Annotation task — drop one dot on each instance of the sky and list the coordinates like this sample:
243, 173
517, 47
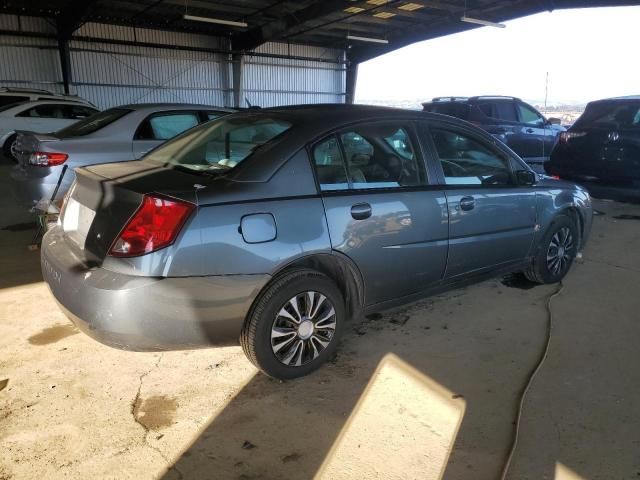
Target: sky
588, 53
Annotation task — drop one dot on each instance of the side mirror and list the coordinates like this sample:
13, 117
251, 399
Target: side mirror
554, 121
526, 177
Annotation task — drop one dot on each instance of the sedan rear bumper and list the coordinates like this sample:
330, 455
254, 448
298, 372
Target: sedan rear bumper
144, 313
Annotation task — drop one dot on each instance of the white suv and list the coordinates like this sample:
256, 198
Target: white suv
9, 95
42, 116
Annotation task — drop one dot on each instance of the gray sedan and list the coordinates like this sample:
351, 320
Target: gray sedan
272, 228
115, 135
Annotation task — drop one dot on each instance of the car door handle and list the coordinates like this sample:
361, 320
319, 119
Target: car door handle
467, 203
529, 130
361, 211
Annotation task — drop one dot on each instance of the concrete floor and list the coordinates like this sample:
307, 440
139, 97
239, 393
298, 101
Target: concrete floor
426, 391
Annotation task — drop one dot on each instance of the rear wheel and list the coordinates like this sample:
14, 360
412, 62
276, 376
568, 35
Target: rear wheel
295, 325
10, 149
557, 251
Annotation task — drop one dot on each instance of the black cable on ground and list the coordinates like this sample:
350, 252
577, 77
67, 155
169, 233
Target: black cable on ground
530, 378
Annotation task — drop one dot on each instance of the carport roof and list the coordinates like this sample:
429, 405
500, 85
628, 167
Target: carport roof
323, 23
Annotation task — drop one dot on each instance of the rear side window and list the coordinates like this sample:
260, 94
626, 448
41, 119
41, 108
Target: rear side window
163, 126
453, 109
12, 99
93, 123
42, 111
368, 156
468, 161
500, 110
76, 112
330, 166
612, 115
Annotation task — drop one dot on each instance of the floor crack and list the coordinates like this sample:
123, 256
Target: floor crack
135, 408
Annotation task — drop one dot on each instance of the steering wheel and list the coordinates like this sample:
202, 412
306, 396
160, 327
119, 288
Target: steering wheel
454, 168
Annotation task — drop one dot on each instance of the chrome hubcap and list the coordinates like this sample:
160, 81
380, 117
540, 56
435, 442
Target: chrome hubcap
13, 148
560, 251
304, 327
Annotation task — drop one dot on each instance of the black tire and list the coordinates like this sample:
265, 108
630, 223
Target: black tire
6, 148
543, 270
256, 336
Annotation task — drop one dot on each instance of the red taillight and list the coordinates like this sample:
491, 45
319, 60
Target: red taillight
564, 137
47, 159
155, 225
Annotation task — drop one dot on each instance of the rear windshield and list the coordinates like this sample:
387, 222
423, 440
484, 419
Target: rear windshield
9, 106
610, 115
453, 109
219, 145
93, 123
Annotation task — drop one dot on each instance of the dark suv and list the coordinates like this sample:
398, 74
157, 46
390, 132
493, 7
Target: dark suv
516, 123
603, 144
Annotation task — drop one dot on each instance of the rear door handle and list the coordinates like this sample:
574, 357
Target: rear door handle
467, 203
529, 130
361, 211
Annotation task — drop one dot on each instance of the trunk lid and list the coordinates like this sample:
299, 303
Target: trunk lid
30, 142
106, 196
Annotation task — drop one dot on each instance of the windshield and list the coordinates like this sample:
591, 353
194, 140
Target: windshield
9, 106
93, 123
610, 115
219, 145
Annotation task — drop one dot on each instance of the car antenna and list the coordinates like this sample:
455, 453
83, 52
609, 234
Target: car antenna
197, 187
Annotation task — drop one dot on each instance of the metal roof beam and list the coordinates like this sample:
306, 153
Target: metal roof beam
281, 27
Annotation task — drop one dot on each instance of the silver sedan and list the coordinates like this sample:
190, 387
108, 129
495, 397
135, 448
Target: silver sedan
119, 134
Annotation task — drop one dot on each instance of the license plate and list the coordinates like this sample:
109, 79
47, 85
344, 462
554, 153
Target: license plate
77, 221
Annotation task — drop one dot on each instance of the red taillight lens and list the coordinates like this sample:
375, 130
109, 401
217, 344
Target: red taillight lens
155, 225
47, 159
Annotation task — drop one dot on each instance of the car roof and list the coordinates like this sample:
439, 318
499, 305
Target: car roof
472, 99
337, 113
618, 99
179, 106
53, 102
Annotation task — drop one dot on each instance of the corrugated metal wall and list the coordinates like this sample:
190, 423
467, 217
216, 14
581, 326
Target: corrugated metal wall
110, 74
29, 62
118, 74
273, 81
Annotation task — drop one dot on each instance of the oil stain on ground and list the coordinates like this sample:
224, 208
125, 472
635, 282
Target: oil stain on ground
157, 412
518, 280
53, 334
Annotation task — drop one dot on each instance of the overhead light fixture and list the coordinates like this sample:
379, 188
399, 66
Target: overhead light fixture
410, 7
367, 39
384, 15
218, 21
354, 10
478, 21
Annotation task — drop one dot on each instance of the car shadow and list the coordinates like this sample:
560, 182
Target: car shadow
469, 356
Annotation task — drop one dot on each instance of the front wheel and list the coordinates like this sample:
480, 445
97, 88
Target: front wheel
295, 325
558, 249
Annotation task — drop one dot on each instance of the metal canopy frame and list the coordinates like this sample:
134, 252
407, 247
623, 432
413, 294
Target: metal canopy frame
324, 23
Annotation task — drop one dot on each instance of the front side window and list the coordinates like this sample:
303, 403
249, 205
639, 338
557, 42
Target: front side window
529, 115
221, 144
375, 156
468, 161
